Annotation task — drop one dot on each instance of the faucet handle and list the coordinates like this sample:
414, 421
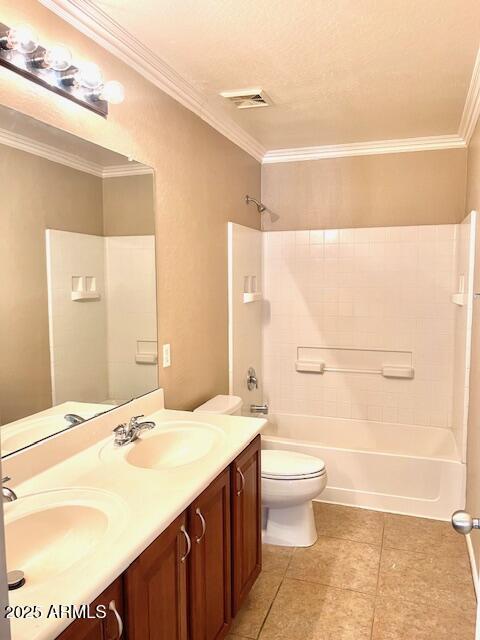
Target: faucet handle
134, 419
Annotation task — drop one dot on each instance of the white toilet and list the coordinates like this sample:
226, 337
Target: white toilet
231, 405
290, 481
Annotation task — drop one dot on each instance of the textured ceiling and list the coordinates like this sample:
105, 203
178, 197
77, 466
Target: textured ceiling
337, 71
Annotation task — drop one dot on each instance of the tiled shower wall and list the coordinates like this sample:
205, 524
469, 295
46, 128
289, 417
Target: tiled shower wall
464, 270
131, 315
377, 288
93, 344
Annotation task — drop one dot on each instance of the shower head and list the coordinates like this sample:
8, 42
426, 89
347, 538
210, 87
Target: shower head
260, 207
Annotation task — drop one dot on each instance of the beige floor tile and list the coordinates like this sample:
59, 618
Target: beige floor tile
426, 580
402, 620
424, 536
307, 611
349, 523
276, 559
249, 619
337, 563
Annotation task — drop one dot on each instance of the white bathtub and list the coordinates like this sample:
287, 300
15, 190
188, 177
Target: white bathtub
389, 467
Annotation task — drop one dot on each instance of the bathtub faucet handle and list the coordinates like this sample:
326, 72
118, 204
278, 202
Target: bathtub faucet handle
252, 382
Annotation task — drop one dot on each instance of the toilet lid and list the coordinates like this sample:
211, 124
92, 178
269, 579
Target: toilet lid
290, 465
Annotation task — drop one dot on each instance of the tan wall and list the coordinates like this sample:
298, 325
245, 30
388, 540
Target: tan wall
36, 195
128, 206
425, 187
473, 444
201, 180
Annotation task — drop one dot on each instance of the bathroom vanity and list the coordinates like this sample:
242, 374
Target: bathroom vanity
181, 547
193, 578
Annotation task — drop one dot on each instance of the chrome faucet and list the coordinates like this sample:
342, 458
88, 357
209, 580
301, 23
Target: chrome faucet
124, 435
259, 408
8, 494
74, 419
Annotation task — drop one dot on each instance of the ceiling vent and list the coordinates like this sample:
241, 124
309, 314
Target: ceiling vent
247, 98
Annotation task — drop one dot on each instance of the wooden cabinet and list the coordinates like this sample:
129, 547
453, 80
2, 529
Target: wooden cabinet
189, 581
210, 561
156, 587
246, 522
108, 628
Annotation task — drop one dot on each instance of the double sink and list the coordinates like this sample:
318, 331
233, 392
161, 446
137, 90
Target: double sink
50, 532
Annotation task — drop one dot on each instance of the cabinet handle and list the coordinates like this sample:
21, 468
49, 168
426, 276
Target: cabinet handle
204, 524
189, 543
113, 608
242, 478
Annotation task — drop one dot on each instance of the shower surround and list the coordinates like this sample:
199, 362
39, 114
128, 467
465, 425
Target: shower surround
368, 289
350, 298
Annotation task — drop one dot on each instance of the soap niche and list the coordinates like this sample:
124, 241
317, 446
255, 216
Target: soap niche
84, 288
250, 293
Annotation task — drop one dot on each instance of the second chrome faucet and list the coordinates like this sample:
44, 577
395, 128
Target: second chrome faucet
125, 434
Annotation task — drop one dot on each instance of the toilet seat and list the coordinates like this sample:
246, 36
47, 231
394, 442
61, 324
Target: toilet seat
290, 465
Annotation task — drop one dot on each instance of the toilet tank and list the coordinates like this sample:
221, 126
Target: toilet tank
231, 405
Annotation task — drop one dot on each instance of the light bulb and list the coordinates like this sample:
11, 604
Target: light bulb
89, 76
22, 39
113, 92
58, 58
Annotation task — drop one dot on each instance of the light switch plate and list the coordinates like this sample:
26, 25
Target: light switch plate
166, 356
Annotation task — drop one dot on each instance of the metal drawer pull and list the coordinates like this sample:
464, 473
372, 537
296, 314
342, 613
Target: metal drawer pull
204, 524
242, 478
113, 608
189, 543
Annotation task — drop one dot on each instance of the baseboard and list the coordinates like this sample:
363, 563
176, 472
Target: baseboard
473, 564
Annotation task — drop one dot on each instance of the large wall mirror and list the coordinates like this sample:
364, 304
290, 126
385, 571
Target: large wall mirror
78, 326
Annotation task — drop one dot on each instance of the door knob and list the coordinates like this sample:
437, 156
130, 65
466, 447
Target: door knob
463, 522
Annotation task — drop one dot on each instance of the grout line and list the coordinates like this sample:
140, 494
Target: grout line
378, 576
276, 593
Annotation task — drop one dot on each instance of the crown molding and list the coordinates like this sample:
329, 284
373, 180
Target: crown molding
405, 145
471, 111
124, 170
97, 25
29, 145
23, 143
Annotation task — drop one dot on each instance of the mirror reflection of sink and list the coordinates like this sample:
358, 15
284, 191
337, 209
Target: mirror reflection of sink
24, 433
48, 533
175, 444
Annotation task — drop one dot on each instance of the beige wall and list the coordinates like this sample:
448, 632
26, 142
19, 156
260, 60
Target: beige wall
128, 206
201, 180
425, 187
36, 195
473, 442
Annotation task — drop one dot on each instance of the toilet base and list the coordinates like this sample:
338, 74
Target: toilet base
290, 526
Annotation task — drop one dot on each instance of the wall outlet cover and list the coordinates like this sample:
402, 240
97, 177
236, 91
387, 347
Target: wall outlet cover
166, 356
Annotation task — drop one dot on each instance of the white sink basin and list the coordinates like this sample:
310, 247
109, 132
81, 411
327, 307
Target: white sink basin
175, 444
48, 533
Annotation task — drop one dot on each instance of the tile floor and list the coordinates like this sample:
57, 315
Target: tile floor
370, 576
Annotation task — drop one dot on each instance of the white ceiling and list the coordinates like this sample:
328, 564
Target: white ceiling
337, 71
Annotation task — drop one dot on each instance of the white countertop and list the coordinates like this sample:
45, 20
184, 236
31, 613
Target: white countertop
149, 501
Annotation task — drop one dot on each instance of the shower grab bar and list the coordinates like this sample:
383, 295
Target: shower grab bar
303, 366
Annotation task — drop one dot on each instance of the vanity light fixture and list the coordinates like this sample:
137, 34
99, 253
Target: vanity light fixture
54, 69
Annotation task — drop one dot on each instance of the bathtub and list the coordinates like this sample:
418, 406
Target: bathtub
389, 467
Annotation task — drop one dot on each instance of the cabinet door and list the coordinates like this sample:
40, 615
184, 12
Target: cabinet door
156, 587
108, 628
247, 522
210, 565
